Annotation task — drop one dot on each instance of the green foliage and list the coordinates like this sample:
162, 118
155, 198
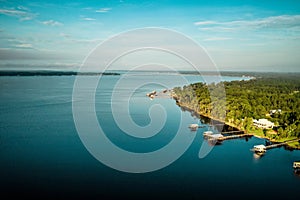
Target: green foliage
248, 100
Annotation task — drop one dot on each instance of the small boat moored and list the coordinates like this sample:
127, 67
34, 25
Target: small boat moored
207, 133
259, 148
193, 127
215, 138
296, 165
151, 94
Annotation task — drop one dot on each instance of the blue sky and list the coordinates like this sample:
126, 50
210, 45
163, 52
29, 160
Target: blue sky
238, 35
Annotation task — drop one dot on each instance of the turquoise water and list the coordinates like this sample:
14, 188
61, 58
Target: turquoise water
42, 155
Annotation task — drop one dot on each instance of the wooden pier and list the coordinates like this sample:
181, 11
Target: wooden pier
210, 125
234, 137
275, 145
280, 144
232, 132
162, 94
220, 137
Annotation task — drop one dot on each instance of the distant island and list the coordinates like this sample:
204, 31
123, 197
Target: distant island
267, 106
52, 73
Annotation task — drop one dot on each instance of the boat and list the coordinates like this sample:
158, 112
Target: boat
296, 165
214, 139
207, 133
151, 94
193, 127
257, 155
259, 148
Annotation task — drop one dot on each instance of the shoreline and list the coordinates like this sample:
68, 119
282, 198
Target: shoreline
229, 124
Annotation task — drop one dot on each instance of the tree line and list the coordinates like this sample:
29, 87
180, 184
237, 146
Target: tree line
239, 102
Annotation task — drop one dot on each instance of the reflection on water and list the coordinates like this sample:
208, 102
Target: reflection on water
213, 142
257, 155
297, 172
43, 140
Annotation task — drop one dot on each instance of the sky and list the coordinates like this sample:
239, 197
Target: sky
238, 35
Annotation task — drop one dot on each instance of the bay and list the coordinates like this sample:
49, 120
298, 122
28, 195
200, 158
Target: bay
42, 154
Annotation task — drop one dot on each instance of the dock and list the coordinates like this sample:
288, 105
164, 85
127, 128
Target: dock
221, 137
234, 137
193, 127
232, 132
210, 125
162, 94
275, 145
280, 144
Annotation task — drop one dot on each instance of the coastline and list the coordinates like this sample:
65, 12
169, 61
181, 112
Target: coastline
186, 107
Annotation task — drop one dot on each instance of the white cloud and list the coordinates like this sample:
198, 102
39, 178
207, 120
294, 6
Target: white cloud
256, 44
273, 22
65, 35
26, 18
86, 40
23, 8
52, 23
217, 29
24, 45
88, 19
205, 23
19, 43
21, 13
12, 12
77, 40
103, 10
217, 39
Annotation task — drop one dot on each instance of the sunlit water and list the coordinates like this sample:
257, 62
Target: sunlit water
41, 153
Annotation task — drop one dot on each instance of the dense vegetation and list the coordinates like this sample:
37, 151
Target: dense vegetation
248, 100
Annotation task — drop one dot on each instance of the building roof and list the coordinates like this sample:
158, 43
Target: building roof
260, 146
263, 121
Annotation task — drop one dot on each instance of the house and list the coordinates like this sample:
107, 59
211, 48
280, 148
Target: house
272, 112
263, 123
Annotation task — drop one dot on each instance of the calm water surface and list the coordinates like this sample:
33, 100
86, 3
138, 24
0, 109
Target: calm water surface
42, 154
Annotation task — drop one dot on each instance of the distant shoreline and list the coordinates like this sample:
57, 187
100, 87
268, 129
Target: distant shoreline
57, 72
54, 73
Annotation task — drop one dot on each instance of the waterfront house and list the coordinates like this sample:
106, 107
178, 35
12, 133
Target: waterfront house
272, 112
263, 123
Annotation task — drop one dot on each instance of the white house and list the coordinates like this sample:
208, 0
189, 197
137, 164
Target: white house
272, 112
263, 123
